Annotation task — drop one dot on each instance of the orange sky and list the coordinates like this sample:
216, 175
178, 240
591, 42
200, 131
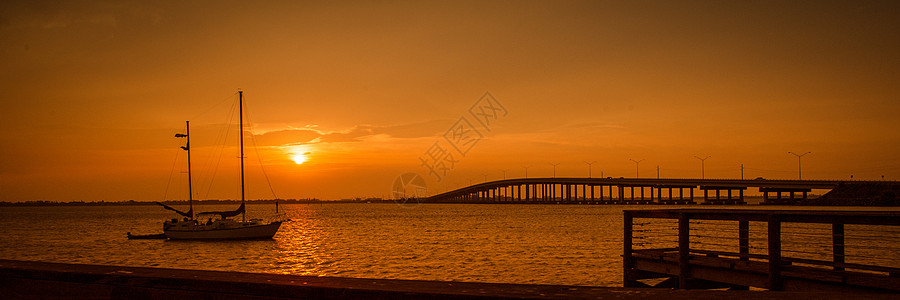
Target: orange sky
93, 92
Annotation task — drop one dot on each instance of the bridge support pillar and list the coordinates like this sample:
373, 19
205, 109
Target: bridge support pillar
601, 193
592, 193
778, 198
621, 194
659, 194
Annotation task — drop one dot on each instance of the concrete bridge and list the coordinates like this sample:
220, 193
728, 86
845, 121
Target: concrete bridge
631, 191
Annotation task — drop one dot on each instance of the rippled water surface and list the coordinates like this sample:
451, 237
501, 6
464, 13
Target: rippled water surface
548, 244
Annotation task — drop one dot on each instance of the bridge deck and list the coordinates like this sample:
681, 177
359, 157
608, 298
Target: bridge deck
624, 190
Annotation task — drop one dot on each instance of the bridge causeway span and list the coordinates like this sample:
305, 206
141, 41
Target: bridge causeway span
631, 191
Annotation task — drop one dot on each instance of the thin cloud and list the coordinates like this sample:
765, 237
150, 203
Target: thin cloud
358, 133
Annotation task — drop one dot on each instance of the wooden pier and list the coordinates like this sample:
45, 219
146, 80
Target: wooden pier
841, 251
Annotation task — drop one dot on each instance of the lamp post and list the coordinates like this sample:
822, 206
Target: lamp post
637, 166
799, 169
554, 169
526, 171
702, 166
590, 163
504, 173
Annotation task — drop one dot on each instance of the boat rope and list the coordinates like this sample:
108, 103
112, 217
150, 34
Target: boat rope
221, 138
224, 100
169, 182
256, 150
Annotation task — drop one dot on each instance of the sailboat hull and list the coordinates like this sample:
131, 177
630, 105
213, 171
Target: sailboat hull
241, 232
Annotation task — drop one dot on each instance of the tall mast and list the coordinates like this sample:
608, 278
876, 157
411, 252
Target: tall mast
190, 191
187, 147
241, 118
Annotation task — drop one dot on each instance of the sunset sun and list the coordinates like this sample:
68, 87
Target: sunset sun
299, 158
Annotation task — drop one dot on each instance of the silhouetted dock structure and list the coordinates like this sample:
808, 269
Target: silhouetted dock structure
44, 280
844, 251
631, 191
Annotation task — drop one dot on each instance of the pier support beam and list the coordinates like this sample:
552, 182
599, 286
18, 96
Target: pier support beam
744, 239
837, 242
684, 251
774, 226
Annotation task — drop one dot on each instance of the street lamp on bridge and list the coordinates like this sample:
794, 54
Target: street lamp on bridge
799, 174
589, 163
637, 167
702, 166
554, 169
526, 171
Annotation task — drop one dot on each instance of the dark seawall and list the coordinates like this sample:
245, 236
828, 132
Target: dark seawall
42, 280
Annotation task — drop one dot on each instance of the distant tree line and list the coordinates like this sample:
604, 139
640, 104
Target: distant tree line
176, 202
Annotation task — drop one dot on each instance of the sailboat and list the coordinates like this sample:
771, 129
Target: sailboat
223, 227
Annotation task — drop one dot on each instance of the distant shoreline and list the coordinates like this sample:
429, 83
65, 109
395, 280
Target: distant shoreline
888, 200
183, 202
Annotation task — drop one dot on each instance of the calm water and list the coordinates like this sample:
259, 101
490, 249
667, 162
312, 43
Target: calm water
547, 244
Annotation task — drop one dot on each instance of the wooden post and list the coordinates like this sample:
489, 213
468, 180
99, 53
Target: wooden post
744, 239
837, 237
627, 261
684, 253
774, 253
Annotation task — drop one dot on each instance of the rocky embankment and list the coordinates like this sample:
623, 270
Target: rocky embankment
860, 194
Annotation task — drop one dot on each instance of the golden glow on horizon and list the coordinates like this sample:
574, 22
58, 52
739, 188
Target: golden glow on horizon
367, 99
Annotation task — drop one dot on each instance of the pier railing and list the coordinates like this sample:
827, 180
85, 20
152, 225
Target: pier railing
772, 249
